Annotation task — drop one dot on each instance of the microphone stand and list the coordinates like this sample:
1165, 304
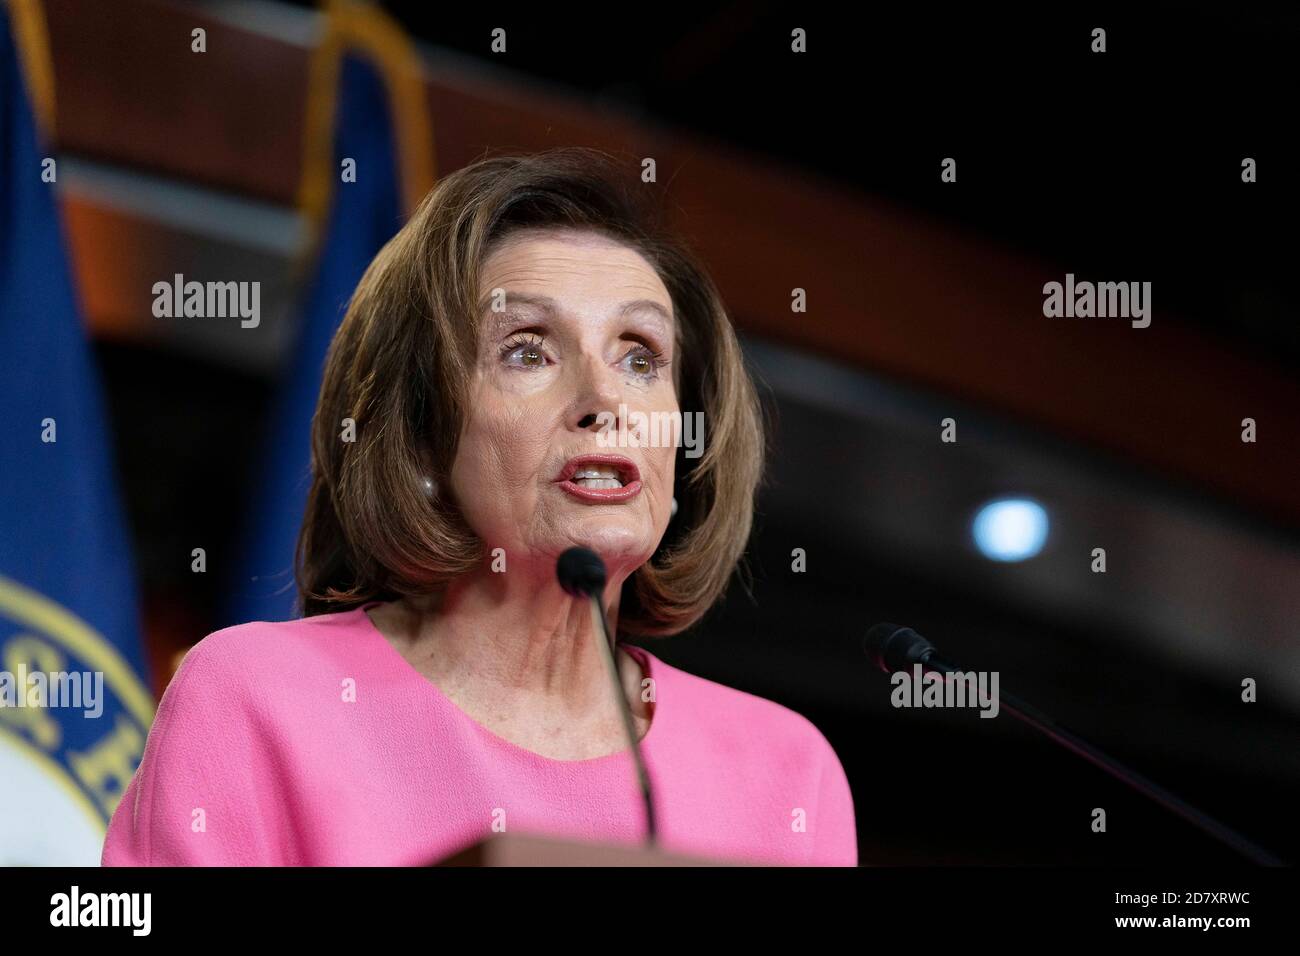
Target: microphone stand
643, 779
1038, 720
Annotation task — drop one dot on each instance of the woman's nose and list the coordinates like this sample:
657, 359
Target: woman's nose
596, 392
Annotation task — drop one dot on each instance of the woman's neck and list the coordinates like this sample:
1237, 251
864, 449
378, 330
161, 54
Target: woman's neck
514, 647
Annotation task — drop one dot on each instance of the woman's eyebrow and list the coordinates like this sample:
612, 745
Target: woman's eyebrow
500, 323
544, 302
550, 306
638, 305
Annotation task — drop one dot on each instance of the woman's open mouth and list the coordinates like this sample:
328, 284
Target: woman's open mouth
600, 478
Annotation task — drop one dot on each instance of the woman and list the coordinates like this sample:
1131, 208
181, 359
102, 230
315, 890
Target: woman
442, 686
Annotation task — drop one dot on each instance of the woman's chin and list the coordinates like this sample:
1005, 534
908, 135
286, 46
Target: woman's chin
620, 544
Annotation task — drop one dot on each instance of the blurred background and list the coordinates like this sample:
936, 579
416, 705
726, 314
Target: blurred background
818, 171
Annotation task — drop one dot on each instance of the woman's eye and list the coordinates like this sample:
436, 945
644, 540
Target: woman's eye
641, 361
524, 355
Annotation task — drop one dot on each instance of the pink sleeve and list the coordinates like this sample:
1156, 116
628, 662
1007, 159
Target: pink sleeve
204, 792
836, 838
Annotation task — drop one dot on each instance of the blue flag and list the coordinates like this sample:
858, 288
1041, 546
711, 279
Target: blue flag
364, 215
74, 701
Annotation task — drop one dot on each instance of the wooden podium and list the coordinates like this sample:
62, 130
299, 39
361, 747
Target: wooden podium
510, 849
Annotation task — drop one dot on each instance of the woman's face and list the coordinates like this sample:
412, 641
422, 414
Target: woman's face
585, 326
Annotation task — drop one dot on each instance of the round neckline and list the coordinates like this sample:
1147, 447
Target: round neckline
642, 656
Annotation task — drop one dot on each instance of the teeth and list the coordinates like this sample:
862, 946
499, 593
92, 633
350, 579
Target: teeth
597, 476
598, 482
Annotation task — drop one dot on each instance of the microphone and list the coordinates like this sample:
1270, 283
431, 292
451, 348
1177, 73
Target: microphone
893, 648
581, 573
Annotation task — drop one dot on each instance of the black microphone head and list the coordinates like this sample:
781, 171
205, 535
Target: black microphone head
581, 572
892, 647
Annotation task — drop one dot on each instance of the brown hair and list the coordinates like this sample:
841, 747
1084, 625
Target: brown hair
399, 367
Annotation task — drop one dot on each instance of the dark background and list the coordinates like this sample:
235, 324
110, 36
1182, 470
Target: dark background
1125, 165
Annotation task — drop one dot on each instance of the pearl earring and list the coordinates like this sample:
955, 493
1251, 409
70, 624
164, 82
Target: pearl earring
430, 486
673, 512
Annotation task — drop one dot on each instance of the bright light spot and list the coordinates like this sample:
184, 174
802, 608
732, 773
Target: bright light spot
1010, 529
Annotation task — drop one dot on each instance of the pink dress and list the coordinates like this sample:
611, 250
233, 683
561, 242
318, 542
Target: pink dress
314, 743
